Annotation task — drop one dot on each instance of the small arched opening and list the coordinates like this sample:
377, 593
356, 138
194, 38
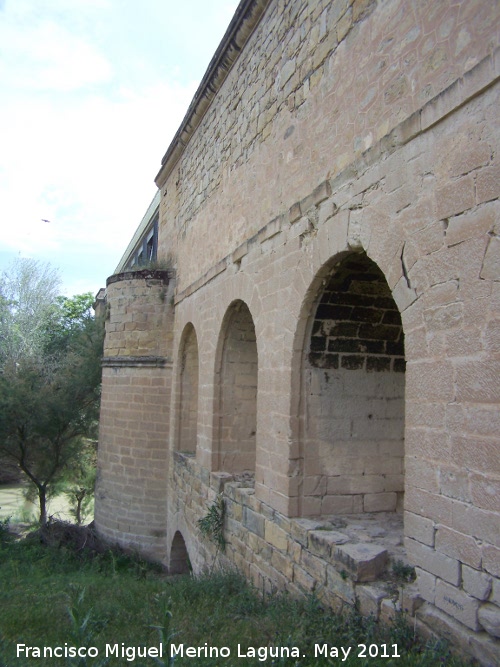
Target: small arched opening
179, 557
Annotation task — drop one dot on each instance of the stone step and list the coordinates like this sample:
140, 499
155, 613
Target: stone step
361, 562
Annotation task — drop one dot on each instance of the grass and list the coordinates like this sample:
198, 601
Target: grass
51, 596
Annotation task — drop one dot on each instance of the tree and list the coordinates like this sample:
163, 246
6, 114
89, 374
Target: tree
69, 316
49, 381
79, 483
28, 295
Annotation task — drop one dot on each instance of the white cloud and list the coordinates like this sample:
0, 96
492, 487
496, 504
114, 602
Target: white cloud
40, 54
85, 121
86, 167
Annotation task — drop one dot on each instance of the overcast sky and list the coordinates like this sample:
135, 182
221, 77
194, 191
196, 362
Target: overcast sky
91, 94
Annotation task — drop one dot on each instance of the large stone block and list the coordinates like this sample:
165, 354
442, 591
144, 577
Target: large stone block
458, 545
476, 583
489, 618
431, 561
322, 542
254, 522
369, 599
275, 536
362, 562
458, 604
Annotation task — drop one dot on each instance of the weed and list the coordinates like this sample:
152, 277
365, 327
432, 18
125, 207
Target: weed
212, 524
164, 631
83, 628
403, 572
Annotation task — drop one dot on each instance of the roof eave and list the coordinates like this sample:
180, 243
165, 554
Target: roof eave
243, 23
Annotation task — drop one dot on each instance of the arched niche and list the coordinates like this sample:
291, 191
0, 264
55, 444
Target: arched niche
236, 392
353, 383
188, 380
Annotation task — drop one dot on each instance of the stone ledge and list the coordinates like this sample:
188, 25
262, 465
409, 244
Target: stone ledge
135, 362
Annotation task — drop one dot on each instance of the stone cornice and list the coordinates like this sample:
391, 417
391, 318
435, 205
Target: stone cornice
134, 362
245, 19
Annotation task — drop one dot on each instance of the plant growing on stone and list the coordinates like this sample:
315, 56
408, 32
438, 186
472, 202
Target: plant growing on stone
212, 524
403, 572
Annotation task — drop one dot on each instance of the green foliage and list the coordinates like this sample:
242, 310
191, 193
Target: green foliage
84, 628
27, 300
5, 534
158, 264
164, 629
403, 572
221, 609
70, 317
79, 481
50, 375
212, 524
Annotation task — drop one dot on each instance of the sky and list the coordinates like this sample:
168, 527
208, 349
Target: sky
91, 94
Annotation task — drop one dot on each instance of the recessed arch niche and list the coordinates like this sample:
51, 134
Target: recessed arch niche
236, 392
188, 380
353, 395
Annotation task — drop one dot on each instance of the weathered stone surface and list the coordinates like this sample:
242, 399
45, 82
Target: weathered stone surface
275, 536
458, 604
478, 584
254, 522
491, 264
340, 585
321, 542
489, 618
369, 599
363, 562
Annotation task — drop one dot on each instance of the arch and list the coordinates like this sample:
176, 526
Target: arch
188, 382
235, 410
352, 393
179, 558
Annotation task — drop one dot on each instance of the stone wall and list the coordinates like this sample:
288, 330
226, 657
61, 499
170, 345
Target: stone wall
237, 393
317, 85
354, 386
343, 561
435, 248
333, 222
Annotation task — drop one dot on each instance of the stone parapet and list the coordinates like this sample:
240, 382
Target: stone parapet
138, 315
